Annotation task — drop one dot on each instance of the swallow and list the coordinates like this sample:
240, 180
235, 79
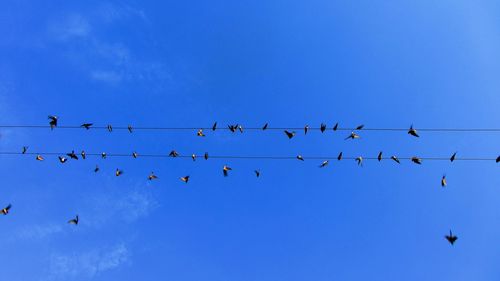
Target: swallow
72, 155
336, 127
416, 160
25, 149
205, 156
110, 128
451, 238
443, 181
86, 125
5, 210
214, 126
193, 156
200, 133
257, 173
498, 159
359, 159
353, 135
306, 128
289, 134
84, 155
74, 221
173, 153
185, 179
152, 176
39, 157
103, 155
232, 128
322, 127
324, 164
360, 127
240, 128
379, 157
129, 128
340, 156
118, 172
96, 169
265, 127
53, 121
453, 157
395, 159
300, 157
62, 159
225, 170
413, 132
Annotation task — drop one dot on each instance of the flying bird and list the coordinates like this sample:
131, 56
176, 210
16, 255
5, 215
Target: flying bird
416, 160
306, 128
225, 170
214, 126
5, 210
265, 127
413, 132
443, 181
129, 128
379, 157
53, 121
185, 179
453, 157
290, 134
173, 153
324, 164
118, 172
72, 155
200, 133
359, 159
62, 159
39, 157
84, 155
152, 176
206, 156
103, 155
340, 156
110, 128
257, 173
25, 148
74, 221
353, 135
322, 127
300, 157
336, 127
96, 169
395, 159
451, 238
86, 125
360, 127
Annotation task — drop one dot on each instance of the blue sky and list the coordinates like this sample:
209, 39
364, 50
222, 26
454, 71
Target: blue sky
289, 63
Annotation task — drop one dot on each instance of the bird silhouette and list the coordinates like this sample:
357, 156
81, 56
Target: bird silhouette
110, 128
290, 134
134, 154
232, 128
498, 159
6, 210
205, 156
86, 125
353, 135
416, 160
395, 159
379, 157
185, 179
53, 121
96, 169
340, 156
324, 164
74, 221
257, 173
25, 149
265, 127
72, 155
453, 157
193, 156
413, 132
39, 157
129, 128
214, 126
152, 176
173, 153
451, 238
225, 170
300, 157
359, 159
322, 127
360, 127
336, 127
443, 181
83, 154
62, 159
103, 155
118, 172
306, 128
240, 128
200, 133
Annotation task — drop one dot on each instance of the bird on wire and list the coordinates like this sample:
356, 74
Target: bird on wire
451, 238
25, 149
53, 121
225, 170
232, 128
395, 159
265, 127
360, 127
340, 156
322, 127
193, 156
205, 156
6, 210
240, 128
498, 159
353, 136
359, 159
453, 157
299, 157
379, 157
129, 128
173, 153
134, 154
335, 128
86, 125
74, 221
290, 134
257, 173
83, 154
110, 128
72, 155
413, 132
103, 155
416, 160
306, 128
214, 126
62, 159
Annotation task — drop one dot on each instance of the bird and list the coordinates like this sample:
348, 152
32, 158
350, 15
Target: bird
416, 160
443, 181
173, 153
84, 155
103, 155
25, 148
134, 154
200, 133
265, 127
340, 156
353, 135
96, 169
205, 156
240, 128
185, 179
395, 159
451, 238
257, 173
74, 221
379, 157
324, 164
359, 159
336, 127
39, 157
225, 170
53, 121
152, 176
498, 159
214, 126
413, 132
5, 210
322, 127
86, 125
62, 159
232, 128
129, 128
360, 127
306, 128
118, 172
290, 134
300, 157
72, 155
193, 156
453, 157
110, 128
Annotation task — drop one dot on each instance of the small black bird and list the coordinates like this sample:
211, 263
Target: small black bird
25, 148
300, 157
134, 154
324, 164
232, 128
193, 156
185, 179
72, 155
152, 176
451, 238
453, 157
129, 128
110, 128
360, 127
173, 153
103, 155
53, 121
265, 127
353, 135
214, 126
86, 125
225, 170
336, 127
5, 210
443, 181
96, 169
306, 128
74, 221
257, 173
240, 128
340, 156
395, 159
84, 155
322, 127
290, 134
498, 159
359, 159
62, 159
416, 160
413, 132
379, 157
206, 156
118, 172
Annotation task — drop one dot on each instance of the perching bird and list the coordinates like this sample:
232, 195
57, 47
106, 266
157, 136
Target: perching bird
225, 170
498, 159
290, 134
72, 155
232, 128
443, 181
453, 157
451, 238
306, 128
413, 132
39, 157
395, 159
336, 127
185, 179
206, 156
74, 221
240, 128
134, 154
53, 121
129, 128
110, 128
257, 173
265, 127
152, 176
25, 148
214, 126
96, 169
359, 159
322, 127
62, 159
173, 153
193, 156
118, 172
300, 157
353, 135
324, 164
200, 133
103, 155
379, 157
340, 156
86, 125
5, 210
360, 127
416, 160
84, 155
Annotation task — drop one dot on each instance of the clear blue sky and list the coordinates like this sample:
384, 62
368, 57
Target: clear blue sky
289, 63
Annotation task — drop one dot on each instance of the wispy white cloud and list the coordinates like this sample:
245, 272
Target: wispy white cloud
70, 27
39, 231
